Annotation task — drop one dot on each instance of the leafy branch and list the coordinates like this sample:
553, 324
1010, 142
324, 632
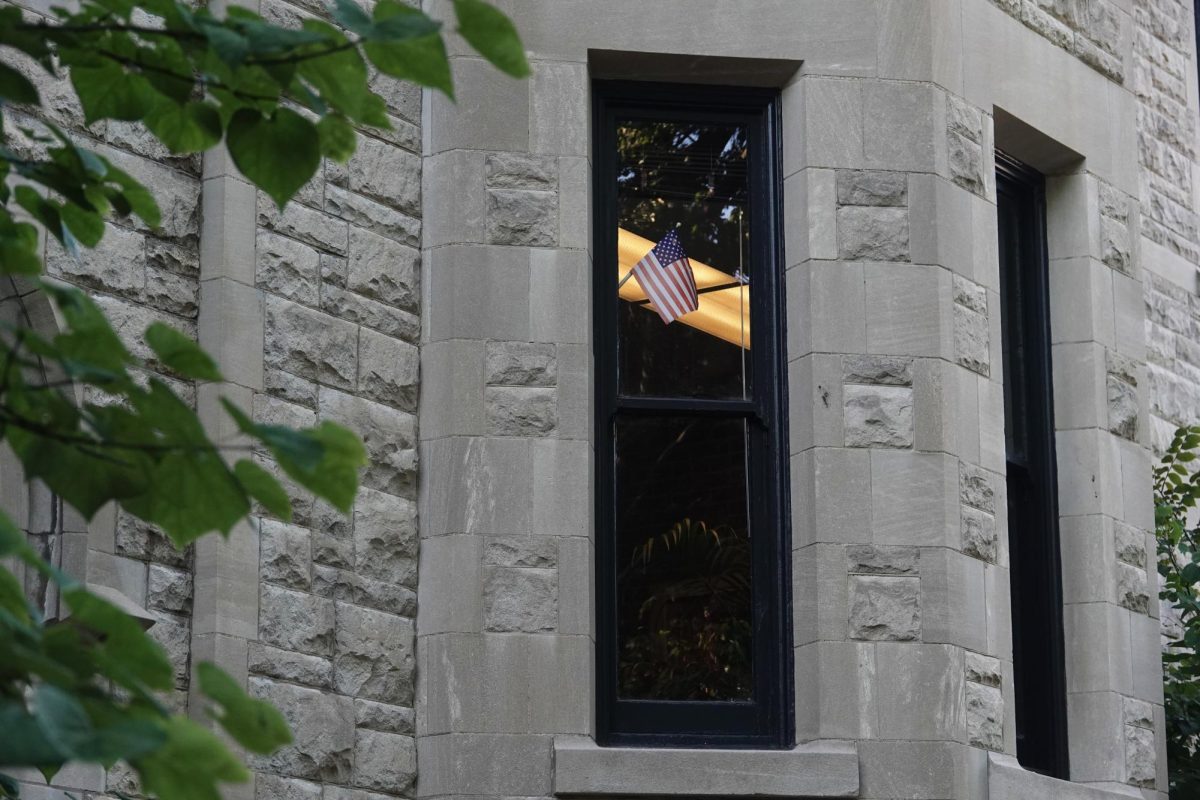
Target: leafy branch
88, 687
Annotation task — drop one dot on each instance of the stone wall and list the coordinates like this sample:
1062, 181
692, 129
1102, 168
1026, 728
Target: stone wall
339, 271
1092, 30
313, 313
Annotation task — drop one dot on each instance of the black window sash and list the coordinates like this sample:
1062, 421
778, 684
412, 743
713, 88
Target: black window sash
767, 719
1034, 553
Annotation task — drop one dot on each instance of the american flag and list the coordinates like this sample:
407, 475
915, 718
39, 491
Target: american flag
665, 275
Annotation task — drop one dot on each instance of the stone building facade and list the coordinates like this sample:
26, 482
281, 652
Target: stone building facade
436, 294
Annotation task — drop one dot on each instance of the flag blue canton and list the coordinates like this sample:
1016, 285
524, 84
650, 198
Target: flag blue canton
669, 249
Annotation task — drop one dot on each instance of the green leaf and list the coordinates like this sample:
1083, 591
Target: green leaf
139, 197
67, 725
109, 92
191, 493
189, 765
338, 140
19, 249
493, 35
254, 724
262, 486
422, 60
350, 16
88, 338
87, 226
23, 743
9, 788
180, 354
12, 538
190, 128
130, 656
16, 88
279, 153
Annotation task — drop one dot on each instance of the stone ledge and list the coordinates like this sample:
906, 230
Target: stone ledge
1008, 780
817, 769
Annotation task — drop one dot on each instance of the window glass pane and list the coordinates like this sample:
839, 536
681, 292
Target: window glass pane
684, 622
690, 179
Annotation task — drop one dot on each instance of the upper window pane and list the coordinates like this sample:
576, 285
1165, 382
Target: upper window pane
690, 178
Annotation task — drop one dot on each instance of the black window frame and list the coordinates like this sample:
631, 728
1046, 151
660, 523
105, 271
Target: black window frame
766, 721
1035, 558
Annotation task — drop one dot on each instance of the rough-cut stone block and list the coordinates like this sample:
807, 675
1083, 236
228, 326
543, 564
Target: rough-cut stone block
140, 540
979, 534
983, 669
868, 188
975, 488
965, 161
374, 655
385, 534
1113, 203
521, 364
972, 347
306, 224
518, 411
1138, 713
175, 635
985, 716
169, 589
387, 174
885, 608
295, 620
970, 294
1130, 544
384, 270
891, 370
288, 666
384, 761
520, 599
388, 370
286, 556
1140, 758
522, 217
389, 436
882, 560
311, 344
287, 268
322, 726
386, 319
1122, 408
1132, 591
878, 416
175, 294
521, 551
521, 171
383, 717
1116, 249
868, 233
275, 787
372, 216
963, 118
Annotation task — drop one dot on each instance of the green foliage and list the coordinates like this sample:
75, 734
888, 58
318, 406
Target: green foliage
1176, 492
687, 615
89, 687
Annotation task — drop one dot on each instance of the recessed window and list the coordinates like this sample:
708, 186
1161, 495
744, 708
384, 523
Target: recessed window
691, 551
1035, 561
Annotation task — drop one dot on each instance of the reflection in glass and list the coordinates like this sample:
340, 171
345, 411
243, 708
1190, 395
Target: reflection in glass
690, 178
684, 625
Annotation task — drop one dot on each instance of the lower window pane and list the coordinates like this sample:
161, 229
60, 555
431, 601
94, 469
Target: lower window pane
684, 621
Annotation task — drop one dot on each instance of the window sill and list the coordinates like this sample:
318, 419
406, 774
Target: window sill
1008, 780
816, 769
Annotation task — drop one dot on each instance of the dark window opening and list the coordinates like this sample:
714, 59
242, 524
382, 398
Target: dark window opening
692, 557
1035, 561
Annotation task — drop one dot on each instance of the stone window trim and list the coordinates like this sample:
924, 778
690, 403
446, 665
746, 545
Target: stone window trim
1008, 780
825, 768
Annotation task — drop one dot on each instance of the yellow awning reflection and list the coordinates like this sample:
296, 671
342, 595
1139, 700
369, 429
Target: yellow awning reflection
724, 313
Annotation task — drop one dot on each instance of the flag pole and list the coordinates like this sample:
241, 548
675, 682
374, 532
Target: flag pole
628, 275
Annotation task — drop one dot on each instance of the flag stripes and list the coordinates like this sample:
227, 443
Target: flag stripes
665, 275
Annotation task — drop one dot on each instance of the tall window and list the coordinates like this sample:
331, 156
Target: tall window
1035, 562
691, 552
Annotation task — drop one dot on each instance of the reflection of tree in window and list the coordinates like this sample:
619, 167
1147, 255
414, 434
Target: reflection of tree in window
693, 179
684, 559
